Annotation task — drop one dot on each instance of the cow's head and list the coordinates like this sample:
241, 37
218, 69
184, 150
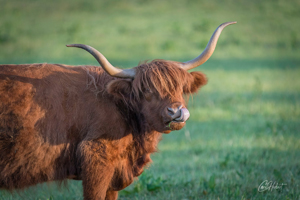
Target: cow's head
157, 88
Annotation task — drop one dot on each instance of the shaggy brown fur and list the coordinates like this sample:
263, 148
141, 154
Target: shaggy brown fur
59, 122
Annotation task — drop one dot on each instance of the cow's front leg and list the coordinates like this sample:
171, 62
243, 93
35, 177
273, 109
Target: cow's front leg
111, 195
97, 171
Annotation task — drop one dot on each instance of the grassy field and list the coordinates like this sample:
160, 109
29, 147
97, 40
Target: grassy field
245, 124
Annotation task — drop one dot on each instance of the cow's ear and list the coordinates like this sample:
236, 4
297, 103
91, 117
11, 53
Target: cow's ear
119, 88
199, 79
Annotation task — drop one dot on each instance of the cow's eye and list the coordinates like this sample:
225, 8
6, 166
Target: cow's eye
148, 94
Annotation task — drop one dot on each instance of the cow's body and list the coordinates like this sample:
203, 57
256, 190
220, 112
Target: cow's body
54, 119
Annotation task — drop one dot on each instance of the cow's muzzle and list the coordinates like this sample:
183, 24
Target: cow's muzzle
179, 114
177, 118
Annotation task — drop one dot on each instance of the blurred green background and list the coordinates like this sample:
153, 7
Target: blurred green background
244, 126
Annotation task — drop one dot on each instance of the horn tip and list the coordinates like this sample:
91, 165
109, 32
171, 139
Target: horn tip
83, 46
228, 23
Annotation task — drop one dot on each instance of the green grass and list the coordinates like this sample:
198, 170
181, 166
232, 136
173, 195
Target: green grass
245, 124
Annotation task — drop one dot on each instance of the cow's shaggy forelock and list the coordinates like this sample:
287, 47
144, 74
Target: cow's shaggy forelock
165, 77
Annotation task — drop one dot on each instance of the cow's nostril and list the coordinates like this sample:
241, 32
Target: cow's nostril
171, 111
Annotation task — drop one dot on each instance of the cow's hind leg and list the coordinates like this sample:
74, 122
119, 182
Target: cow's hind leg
96, 171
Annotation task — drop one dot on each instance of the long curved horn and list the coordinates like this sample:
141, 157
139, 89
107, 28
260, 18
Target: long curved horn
209, 49
109, 68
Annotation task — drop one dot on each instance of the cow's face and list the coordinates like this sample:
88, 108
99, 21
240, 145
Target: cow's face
161, 102
164, 114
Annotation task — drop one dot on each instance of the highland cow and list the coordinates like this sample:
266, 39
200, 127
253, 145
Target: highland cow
98, 125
